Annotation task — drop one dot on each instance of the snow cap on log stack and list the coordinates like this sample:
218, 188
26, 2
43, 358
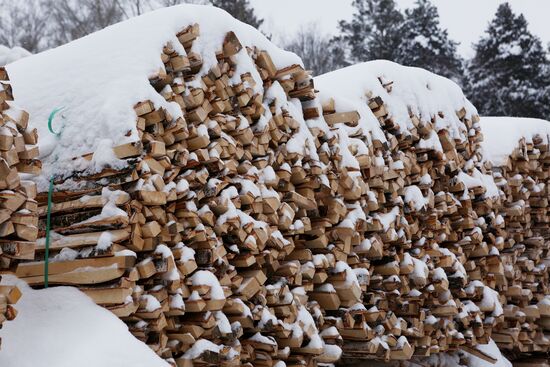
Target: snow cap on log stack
99, 78
503, 134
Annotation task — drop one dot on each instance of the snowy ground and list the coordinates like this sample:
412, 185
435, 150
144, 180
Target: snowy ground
62, 327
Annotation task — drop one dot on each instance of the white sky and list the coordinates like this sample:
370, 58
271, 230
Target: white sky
466, 20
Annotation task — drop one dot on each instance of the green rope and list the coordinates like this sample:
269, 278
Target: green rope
50, 194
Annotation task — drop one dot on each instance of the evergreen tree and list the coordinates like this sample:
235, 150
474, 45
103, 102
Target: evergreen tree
545, 95
425, 44
241, 10
373, 32
507, 74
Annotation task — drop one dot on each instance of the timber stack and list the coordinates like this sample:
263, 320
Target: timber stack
519, 152
231, 214
427, 236
181, 233
18, 208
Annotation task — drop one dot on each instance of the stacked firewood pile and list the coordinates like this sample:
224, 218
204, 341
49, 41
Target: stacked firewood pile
256, 221
18, 209
523, 177
192, 244
429, 221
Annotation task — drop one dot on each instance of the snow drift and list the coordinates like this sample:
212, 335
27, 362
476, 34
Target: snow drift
62, 327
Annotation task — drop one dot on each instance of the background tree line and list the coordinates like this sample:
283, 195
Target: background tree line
509, 73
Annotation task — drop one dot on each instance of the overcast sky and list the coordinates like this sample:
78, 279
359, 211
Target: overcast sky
466, 20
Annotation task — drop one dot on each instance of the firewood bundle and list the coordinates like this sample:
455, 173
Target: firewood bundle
245, 218
18, 209
523, 177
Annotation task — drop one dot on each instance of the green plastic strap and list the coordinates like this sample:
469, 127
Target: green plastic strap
48, 221
50, 193
50, 120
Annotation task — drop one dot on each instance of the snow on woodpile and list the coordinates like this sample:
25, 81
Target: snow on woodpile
492, 351
416, 105
504, 134
99, 79
62, 327
9, 55
408, 93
